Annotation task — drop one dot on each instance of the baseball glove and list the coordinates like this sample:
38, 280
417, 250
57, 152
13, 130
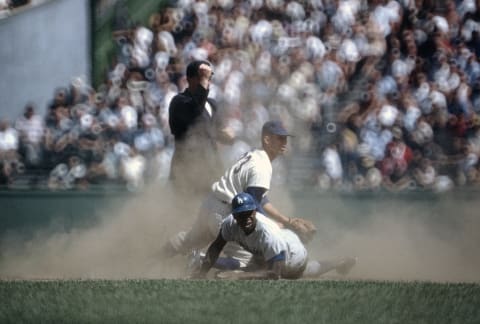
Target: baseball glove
304, 228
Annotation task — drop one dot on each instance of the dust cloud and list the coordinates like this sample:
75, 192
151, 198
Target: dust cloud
406, 240
126, 243
393, 240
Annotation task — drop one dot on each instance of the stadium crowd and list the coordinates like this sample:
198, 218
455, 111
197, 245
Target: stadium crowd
380, 94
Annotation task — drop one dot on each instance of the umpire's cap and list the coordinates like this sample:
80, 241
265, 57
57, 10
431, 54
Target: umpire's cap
192, 67
275, 127
243, 202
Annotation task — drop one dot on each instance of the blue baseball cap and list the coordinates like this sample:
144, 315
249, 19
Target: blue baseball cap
275, 127
243, 202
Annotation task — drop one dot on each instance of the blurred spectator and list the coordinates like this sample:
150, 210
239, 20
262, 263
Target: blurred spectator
395, 165
6, 6
10, 163
31, 129
132, 169
381, 94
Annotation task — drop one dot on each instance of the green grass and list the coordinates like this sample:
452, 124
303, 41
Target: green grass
208, 301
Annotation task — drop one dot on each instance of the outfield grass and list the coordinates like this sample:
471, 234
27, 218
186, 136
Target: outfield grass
207, 301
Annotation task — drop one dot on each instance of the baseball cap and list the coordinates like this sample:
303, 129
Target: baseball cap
275, 127
243, 202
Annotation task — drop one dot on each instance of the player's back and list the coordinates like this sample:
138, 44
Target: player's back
253, 169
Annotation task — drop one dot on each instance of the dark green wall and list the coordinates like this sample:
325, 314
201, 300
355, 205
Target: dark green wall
25, 211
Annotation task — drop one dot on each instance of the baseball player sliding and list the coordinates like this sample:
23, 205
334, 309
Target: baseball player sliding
277, 252
252, 174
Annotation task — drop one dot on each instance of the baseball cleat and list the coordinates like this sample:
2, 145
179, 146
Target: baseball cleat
195, 260
345, 265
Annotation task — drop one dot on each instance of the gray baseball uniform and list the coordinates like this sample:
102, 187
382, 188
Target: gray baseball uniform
269, 242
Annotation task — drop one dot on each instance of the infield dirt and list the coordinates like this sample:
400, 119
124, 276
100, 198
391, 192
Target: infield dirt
393, 240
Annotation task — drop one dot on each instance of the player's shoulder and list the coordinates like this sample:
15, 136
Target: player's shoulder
228, 221
260, 158
259, 152
259, 155
229, 228
267, 224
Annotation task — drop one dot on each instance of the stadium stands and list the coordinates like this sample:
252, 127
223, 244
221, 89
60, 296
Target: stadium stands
382, 95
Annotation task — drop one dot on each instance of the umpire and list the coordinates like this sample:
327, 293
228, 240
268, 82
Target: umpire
196, 125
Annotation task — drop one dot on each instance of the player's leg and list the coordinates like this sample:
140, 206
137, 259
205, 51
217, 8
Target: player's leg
315, 268
197, 257
203, 231
197, 237
297, 258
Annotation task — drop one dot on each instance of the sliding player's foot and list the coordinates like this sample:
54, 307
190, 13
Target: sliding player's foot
345, 265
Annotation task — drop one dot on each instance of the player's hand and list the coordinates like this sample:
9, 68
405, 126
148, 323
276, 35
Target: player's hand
304, 228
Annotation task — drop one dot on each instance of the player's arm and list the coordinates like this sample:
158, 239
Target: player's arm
212, 255
275, 214
265, 207
275, 270
276, 266
304, 228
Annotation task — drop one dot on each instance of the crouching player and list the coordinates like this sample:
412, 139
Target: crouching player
277, 252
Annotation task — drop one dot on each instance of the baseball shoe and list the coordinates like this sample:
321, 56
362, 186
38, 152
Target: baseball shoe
174, 246
345, 265
195, 260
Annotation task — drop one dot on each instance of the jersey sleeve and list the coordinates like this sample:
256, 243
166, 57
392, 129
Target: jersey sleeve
278, 257
273, 246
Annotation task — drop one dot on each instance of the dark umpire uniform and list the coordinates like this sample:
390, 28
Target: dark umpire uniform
195, 123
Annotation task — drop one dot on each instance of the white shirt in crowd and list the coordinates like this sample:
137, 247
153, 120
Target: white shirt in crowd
33, 128
8, 140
